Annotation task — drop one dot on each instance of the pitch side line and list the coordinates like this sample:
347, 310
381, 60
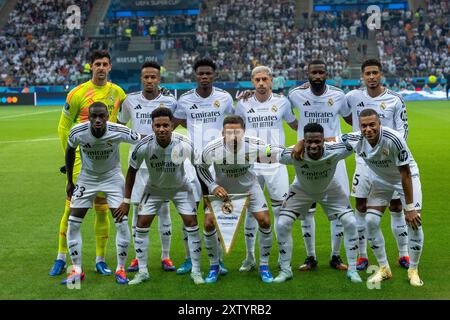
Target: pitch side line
29, 140
28, 114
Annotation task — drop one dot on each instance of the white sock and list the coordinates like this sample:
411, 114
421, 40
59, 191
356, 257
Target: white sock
61, 256
337, 232
219, 247
250, 229
122, 243
74, 242
165, 229
211, 246
348, 221
265, 245
415, 244
134, 219
361, 227
375, 236
141, 247
400, 231
284, 240
276, 207
195, 245
187, 252
309, 233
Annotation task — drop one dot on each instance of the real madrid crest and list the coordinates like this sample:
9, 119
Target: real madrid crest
217, 103
382, 106
385, 152
274, 108
227, 207
330, 102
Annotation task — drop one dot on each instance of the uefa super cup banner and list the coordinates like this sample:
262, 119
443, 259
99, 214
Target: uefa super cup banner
228, 216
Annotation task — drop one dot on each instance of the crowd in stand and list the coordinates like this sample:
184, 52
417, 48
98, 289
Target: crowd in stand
416, 44
36, 47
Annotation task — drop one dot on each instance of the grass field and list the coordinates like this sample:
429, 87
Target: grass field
32, 193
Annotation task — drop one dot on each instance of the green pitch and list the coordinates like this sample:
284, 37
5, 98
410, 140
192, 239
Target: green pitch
32, 193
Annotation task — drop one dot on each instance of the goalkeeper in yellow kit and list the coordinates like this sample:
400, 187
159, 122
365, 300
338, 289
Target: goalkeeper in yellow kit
76, 110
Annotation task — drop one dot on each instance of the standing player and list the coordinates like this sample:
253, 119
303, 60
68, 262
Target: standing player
263, 115
138, 107
98, 141
164, 152
232, 157
76, 110
393, 169
202, 111
392, 112
316, 182
322, 103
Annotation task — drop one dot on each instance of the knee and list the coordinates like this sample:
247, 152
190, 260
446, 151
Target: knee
209, 224
283, 225
190, 222
361, 206
349, 222
264, 222
395, 206
373, 220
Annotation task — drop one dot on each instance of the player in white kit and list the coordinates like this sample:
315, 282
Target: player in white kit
202, 111
137, 109
232, 157
263, 115
392, 112
164, 152
323, 104
393, 169
99, 142
316, 182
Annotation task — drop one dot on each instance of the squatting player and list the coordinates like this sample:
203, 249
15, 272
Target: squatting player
75, 111
98, 141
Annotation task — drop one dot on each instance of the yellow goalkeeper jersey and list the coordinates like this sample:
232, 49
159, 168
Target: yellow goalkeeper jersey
76, 109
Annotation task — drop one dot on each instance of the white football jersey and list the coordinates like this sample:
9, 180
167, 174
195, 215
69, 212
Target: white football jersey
204, 116
389, 106
101, 156
384, 159
137, 109
165, 165
233, 170
265, 119
324, 109
314, 176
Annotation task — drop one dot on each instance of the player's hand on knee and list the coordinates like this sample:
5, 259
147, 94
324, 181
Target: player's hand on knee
220, 192
413, 219
69, 189
299, 150
121, 211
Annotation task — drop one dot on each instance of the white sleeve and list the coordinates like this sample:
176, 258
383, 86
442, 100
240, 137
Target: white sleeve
180, 111
288, 113
172, 105
229, 107
344, 108
402, 154
350, 140
239, 110
131, 136
124, 112
138, 155
401, 119
204, 174
72, 140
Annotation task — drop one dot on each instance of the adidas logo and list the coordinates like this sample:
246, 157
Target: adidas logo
307, 103
251, 110
403, 234
87, 145
154, 157
210, 255
305, 166
123, 254
266, 254
249, 235
264, 205
362, 238
417, 205
340, 234
282, 252
361, 104
285, 195
168, 233
375, 247
416, 248
362, 155
198, 250
138, 251
138, 107
74, 253
194, 107
354, 248
307, 235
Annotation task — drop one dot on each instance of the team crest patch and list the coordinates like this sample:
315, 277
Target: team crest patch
385, 152
330, 102
382, 106
109, 143
274, 108
227, 207
161, 105
217, 103
111, 98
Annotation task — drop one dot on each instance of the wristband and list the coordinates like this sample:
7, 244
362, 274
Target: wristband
409, 207
126, 200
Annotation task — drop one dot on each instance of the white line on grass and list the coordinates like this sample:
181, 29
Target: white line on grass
29, 140
28, 114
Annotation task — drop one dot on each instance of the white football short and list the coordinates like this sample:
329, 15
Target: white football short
362, 183
87, 187
381, 192
334, 202
153, 199
275, 177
